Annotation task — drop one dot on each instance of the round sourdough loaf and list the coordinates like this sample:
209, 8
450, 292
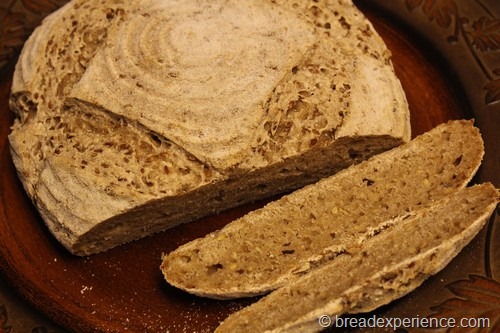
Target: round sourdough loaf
135, 116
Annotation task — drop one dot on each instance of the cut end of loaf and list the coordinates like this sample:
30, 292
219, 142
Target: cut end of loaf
126, 224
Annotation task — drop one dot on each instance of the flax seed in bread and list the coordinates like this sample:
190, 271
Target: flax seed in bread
270, 247
384, 265
135, 116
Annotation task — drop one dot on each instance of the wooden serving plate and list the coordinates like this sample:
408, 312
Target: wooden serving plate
123, 289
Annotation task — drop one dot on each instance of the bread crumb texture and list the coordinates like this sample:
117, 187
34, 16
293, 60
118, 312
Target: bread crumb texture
294, 235
129, 111
377, 270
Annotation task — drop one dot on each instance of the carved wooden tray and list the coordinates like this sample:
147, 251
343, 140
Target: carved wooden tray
446, 54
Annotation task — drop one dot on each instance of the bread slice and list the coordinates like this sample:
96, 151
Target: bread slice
381, 267
135, 116
287, 238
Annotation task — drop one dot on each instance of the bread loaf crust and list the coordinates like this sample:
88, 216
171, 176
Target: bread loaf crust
100, 127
